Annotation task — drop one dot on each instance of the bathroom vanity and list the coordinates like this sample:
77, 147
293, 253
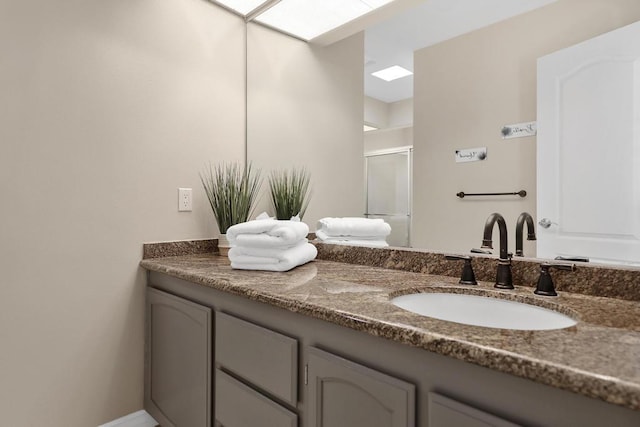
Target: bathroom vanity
322, 345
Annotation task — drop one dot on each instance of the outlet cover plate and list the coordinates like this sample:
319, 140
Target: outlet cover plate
185, 199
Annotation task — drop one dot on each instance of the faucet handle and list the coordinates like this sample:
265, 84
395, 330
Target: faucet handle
545, 282
467, 277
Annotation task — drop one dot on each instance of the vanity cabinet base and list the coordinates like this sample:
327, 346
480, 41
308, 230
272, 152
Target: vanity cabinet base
508, 398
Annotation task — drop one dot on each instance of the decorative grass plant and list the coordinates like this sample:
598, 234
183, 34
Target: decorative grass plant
290, 192
232, 191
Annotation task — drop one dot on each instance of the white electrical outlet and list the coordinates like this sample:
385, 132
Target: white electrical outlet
185, 200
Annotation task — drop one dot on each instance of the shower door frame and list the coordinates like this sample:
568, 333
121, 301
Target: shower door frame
397, 150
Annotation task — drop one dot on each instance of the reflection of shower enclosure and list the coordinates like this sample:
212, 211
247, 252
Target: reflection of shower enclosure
389, 191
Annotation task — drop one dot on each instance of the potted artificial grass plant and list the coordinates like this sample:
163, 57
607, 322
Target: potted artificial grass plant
290, 192
232, 191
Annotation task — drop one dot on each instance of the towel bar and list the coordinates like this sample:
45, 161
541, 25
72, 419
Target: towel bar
520, 193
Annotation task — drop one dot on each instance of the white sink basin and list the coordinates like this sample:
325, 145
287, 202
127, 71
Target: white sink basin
483, 311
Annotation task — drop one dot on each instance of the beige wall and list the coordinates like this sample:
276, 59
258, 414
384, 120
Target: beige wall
387, 139
394, 121
106, 108
466, 89
376, 112
305, 108
401, 113
388, 115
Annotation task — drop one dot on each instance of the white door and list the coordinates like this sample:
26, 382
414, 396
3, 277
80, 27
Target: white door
588, 165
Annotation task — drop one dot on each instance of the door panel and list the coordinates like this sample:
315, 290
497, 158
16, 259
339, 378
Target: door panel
589, 149
178, 365
345, 394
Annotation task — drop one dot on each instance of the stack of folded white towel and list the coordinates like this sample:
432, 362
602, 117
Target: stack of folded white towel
269, 244
354, 231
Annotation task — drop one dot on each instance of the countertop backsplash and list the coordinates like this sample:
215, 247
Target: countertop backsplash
588, 279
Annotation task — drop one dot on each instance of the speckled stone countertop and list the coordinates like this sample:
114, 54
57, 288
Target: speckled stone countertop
599, 357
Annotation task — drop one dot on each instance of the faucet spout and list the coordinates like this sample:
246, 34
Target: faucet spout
531, 231
487, 241
504, 279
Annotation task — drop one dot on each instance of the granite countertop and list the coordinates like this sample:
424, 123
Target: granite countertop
599, 357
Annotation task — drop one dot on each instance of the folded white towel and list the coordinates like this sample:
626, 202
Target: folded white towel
270, 259
271, 252
321, 235
357, 227
267, 233
356, 242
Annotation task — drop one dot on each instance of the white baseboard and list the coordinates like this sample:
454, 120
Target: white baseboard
136, 419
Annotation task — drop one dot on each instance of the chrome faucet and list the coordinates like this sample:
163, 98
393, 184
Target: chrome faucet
531, 231
503, 274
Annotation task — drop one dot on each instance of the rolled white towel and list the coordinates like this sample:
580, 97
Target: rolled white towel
357, 227
267, 233
271, 259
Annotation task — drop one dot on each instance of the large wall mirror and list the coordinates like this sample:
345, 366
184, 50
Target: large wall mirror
306, 103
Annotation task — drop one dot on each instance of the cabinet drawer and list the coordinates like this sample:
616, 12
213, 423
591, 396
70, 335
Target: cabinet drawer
239, 406
445, 412
264, 358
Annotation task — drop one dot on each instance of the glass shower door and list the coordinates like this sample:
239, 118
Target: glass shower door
389, 192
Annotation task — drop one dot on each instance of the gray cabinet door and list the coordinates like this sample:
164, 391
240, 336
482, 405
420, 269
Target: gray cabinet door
177, 361
342, 393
